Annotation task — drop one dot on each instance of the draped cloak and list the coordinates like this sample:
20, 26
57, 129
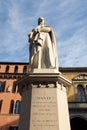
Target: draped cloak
43, 52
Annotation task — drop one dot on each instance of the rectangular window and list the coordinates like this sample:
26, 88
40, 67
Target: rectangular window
2, 86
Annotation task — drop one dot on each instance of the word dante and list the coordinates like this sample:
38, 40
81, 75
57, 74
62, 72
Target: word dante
44, 98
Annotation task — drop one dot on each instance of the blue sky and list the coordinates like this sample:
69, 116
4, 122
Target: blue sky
68, 18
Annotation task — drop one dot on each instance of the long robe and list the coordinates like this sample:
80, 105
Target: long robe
43, 52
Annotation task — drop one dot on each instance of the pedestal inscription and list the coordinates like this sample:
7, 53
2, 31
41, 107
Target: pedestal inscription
44, 109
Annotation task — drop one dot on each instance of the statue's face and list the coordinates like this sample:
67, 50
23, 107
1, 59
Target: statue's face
41, 21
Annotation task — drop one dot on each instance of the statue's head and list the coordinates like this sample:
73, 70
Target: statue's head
41, 21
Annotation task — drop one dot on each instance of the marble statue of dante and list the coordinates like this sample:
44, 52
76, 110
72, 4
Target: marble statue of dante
42, 46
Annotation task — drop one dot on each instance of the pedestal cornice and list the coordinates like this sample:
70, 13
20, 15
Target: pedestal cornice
45, 79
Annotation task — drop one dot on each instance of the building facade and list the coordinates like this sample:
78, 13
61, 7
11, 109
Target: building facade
10, 99
77, 97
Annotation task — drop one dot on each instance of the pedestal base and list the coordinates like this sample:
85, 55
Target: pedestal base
44, 103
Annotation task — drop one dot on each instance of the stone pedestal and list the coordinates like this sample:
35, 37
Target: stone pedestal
44, 102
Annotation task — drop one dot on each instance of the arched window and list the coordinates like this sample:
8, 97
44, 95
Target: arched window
7, 69
25, 70
17, 107
2, 86
11, 111
1, 104
81, 93
16, 69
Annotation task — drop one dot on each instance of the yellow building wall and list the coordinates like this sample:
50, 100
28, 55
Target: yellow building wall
71, 89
